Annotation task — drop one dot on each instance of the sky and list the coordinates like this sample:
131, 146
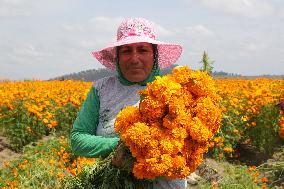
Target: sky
43, 39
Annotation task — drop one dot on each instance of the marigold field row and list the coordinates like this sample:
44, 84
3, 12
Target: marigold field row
46, 102
30, 110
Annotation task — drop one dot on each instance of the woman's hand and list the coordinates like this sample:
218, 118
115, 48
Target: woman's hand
118, 158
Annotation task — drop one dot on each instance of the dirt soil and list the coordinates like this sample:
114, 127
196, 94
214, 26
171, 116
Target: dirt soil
5, 153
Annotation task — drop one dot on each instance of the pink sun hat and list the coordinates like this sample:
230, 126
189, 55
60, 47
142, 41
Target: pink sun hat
135, 30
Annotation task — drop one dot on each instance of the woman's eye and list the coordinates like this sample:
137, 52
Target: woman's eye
144, 50
125, 51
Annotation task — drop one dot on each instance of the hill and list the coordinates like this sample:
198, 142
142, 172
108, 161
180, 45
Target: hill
95, 74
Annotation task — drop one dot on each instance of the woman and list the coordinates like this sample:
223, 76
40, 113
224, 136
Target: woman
137, 57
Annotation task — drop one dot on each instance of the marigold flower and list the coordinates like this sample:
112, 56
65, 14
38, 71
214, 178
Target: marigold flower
178, 115
235, 131
264, 179
228, 149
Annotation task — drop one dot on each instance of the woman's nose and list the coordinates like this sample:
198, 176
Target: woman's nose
135, 56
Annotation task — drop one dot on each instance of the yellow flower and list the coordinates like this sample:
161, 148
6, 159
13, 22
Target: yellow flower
245, 118
228, 149
45, 120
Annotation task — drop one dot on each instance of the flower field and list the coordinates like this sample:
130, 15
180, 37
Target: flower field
32, 110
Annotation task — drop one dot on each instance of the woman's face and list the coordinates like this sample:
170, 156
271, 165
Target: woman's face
136, 61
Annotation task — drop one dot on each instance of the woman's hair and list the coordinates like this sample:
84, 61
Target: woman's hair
155, 59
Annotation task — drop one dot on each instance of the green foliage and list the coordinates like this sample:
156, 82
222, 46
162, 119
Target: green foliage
35, 168
105, 175
273, 169
237, 128
231, 122
65, 116
81, 181
265, 135
207, 63
234, 176
19, 127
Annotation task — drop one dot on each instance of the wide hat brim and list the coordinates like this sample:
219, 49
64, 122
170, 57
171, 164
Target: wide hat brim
168, 53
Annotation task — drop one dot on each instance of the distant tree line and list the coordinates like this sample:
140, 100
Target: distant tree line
95, 74
87, 75
225, 74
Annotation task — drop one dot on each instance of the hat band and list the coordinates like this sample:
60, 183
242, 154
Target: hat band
134, 33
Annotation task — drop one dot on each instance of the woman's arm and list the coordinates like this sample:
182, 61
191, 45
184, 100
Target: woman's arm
84, 141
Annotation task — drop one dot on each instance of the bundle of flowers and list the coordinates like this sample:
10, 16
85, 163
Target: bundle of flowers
166, 136
170, 130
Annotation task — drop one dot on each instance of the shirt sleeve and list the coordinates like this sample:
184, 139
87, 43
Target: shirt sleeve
84, 141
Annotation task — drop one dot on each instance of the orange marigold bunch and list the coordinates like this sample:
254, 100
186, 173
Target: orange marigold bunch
281, 125
170, 130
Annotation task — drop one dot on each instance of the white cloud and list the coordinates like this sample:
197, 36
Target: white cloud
163, 32
92, 34
280, 12
109, 25
105, 28
252, 47
199, 30
14, 8
31, 51
250, 8
104, 24
72, 28
12, 2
